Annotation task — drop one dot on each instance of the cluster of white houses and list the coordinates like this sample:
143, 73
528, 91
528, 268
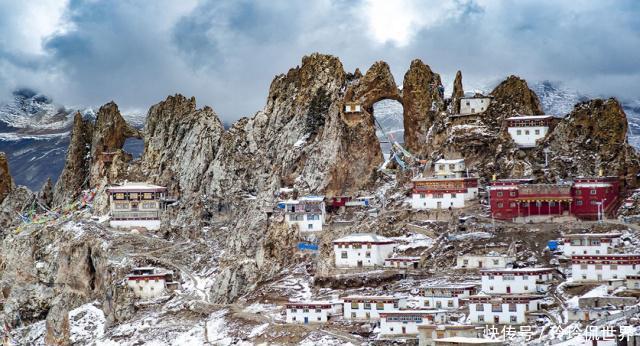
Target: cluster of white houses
151, 282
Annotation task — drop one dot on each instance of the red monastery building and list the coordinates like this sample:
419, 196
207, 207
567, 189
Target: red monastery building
583, 198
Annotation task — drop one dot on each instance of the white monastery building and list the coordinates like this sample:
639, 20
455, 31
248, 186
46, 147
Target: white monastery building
516, 281
307, 212
590, 243
150, 282
449, 187
407, 262
136, 205
406, 322
370, 307
525, 130
473, 105
445, 296
604, 267
362, 250
352, 107
510, 309
488, 261
310, 312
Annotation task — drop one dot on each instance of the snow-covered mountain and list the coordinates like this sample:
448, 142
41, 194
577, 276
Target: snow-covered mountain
34, 133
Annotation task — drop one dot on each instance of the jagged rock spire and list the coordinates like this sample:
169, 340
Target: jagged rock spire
422, 99
458, 93
6, 182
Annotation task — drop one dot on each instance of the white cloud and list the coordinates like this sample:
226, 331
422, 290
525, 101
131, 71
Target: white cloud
399, 21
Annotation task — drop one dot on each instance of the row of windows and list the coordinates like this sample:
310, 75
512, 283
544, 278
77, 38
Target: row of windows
513, 319
293, 318
437, 195
367, 306
526, 132
305, 310
439, 303
354, 246
300, 217
495, 262
539, 204
599, 266
134, 195
344, 254
497, 307
578, 192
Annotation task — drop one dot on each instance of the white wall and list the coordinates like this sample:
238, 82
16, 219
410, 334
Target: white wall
519, 284
602, 272
148, 224
484, 262
411, 327
527, 140
504, 317
374, 312
147, 289
377, 255
308, 222
427, 201
569, 249
312, 315
475, 105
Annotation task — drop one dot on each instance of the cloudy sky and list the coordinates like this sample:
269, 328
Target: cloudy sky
227, 52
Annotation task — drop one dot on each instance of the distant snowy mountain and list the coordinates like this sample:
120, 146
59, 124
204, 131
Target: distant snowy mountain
34, 133
559, 100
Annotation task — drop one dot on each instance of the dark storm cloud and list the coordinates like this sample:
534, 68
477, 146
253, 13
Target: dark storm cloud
227, 52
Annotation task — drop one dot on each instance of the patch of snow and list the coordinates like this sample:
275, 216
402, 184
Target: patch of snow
86, 323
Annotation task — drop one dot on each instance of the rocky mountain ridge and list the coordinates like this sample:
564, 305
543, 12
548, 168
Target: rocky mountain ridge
225, 180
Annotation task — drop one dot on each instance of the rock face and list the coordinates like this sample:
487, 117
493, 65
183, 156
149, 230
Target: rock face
593, 137
6, 182
423, 100
180, 143
457, 94
510, 98
74, 176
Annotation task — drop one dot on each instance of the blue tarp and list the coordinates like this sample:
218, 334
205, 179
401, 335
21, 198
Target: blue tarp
307, 246
553, 245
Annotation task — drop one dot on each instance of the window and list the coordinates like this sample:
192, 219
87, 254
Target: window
343, 254
453, 195
578, 192
584, 276
133, 195
319, 318
437, 195
305, 310
579, 202
526, 288
450, 303
593, 192
525, 277
614, 267
512, 307
353, 315
495, 262
518, 132
513, 319
481, 318
490, 288
293, 318
426, 302
465, 262
452, 166
318, 310
552, 204
526, 132
537, 132
594, 202
599, 266
500, 205
354, 305
422, 195
512, 193
512, 204
508, 278
310, 226
367, 306
368, 246
380, 306
499, 194
367, 254
480, 307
